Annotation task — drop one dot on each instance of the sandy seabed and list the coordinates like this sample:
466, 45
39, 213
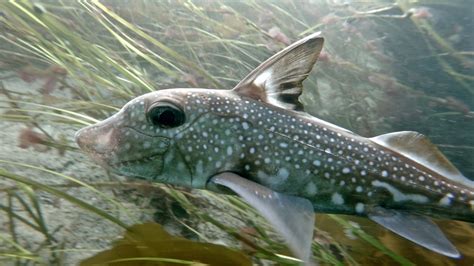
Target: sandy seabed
82, 232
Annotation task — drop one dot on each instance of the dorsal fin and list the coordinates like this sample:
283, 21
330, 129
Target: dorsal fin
279, 79
420, 149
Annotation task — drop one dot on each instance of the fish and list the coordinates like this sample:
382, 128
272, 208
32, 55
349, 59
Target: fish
256, 141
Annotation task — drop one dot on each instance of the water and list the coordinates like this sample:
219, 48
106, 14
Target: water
386, 66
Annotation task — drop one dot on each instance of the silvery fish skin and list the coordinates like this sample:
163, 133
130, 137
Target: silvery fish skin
257, 136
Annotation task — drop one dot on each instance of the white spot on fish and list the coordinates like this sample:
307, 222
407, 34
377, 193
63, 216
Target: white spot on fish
346, 170
398, 195
283, 173
283, 144
446, 200
311, 189
359, 208
337, 199
384, 173
229, 151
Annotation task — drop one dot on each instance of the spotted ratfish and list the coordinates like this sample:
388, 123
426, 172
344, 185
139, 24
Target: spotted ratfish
256, 141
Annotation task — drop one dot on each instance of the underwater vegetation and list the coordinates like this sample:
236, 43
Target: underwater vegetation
138, 248
386, 66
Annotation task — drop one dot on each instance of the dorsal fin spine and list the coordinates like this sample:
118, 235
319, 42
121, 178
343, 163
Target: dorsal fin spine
282, 75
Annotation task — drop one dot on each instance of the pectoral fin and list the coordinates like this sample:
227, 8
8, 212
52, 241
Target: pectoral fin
418, 229
292, 217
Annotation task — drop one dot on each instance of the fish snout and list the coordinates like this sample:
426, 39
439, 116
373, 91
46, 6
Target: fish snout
97, 139
80, 138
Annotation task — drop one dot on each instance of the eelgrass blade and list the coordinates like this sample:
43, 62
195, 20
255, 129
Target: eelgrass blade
80, 203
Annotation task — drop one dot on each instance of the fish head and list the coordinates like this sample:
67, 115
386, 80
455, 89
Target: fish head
186, 136
137, 140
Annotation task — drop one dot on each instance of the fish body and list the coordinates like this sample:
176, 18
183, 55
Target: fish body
256, 141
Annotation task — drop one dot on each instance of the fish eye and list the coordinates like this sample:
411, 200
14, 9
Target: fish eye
166, 115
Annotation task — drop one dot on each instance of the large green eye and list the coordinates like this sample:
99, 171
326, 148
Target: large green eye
166, 115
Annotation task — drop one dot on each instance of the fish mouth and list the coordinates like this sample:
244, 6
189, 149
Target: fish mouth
145, 167
142, 159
